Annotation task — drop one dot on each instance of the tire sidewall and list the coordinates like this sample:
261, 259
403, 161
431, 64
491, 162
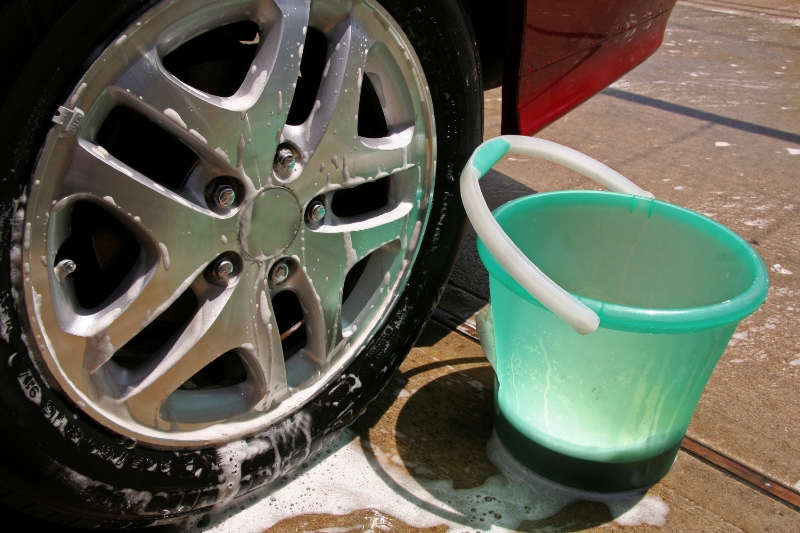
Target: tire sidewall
57, 456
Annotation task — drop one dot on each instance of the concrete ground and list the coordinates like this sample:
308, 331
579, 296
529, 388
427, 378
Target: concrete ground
712, 123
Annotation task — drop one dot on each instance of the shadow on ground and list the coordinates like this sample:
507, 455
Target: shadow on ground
441, 432
469, 274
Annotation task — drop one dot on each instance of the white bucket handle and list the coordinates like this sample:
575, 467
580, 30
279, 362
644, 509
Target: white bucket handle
556, 299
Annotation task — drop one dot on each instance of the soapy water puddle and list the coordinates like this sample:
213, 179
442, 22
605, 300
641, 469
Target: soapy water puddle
354, 486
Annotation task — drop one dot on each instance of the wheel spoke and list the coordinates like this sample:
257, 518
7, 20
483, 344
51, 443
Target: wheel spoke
257, 111
169, 229
314, 304
332, 251
380, 157
161, 97
167, 217
338, 95
276, 66
339, 157
330, 134
373, 159
126, 318
224, 322
279, 57
359, 239
323, 259
253, 306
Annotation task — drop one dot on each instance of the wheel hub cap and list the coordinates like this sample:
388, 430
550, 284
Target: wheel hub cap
269, 224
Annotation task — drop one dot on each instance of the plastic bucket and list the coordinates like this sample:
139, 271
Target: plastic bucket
607, 411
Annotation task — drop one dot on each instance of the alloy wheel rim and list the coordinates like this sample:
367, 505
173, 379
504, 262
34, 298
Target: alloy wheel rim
176, 256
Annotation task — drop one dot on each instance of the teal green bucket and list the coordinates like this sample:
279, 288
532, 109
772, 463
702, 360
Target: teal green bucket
606, 410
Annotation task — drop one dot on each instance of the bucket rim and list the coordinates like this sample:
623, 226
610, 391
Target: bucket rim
640, 319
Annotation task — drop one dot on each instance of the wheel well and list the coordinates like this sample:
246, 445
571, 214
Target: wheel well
492, 31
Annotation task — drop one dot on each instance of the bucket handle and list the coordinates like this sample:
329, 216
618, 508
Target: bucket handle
551, 295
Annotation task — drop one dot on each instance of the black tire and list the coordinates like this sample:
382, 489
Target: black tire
59, 464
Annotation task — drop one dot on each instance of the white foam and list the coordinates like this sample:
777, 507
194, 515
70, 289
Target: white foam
777, 268
137, 500
793, 151
349, 252
759, 222
26, 238
222, 153
199, 137
175, 117
5, 323
247, 100
98, 350
651, 510
77, 96
164, 255
721, 143
357, 475
266, 314
310, 119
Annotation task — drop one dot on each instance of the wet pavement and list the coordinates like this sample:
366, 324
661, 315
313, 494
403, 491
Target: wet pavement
711, 123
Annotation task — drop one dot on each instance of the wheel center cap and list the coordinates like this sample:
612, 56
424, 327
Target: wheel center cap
269, 223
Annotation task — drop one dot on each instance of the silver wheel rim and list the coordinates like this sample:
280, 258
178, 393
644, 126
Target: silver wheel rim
234, 258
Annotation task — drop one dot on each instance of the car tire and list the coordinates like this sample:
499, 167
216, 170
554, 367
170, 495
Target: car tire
76, 449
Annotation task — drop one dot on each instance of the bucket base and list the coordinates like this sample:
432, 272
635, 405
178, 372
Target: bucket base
582, 474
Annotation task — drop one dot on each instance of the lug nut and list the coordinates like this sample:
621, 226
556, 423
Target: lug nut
284, 159
279, 273
224, 196
316, 211
224, 269
64, 268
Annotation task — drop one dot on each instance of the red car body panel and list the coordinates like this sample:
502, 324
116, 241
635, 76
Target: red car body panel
568, 50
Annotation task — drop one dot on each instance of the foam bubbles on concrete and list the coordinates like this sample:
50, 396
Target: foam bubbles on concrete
353, 475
